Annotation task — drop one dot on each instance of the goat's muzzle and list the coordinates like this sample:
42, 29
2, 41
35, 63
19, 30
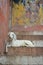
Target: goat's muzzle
9, 39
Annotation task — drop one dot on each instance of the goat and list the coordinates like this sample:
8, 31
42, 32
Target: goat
13, 42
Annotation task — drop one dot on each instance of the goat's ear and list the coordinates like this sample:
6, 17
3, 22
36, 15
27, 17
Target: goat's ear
13, 35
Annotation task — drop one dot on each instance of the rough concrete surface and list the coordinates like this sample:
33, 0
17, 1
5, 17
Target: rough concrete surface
21, 60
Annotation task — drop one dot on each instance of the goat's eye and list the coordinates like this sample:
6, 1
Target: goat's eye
13, 35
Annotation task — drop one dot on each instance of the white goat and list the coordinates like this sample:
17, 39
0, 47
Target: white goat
17, 43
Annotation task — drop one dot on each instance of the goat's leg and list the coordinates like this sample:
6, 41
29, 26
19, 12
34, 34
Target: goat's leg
7, 46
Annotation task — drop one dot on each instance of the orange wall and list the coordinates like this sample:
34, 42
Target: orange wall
4, 13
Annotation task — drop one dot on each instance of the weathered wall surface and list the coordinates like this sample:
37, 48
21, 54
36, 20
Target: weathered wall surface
4, 17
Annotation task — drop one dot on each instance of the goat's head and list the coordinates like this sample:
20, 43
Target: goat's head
11, 36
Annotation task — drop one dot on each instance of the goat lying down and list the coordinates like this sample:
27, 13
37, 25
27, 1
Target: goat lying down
17, 43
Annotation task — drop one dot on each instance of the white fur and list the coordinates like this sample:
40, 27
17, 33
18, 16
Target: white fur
18, 43
12, 35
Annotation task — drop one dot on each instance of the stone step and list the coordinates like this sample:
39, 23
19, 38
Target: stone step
25, 51
21, 60
21, 64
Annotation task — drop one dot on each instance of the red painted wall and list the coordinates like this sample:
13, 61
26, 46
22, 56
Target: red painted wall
4, 13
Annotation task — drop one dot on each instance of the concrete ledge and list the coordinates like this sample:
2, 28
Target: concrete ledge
25, 51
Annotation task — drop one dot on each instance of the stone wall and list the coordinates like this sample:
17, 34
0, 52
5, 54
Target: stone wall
25, 51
